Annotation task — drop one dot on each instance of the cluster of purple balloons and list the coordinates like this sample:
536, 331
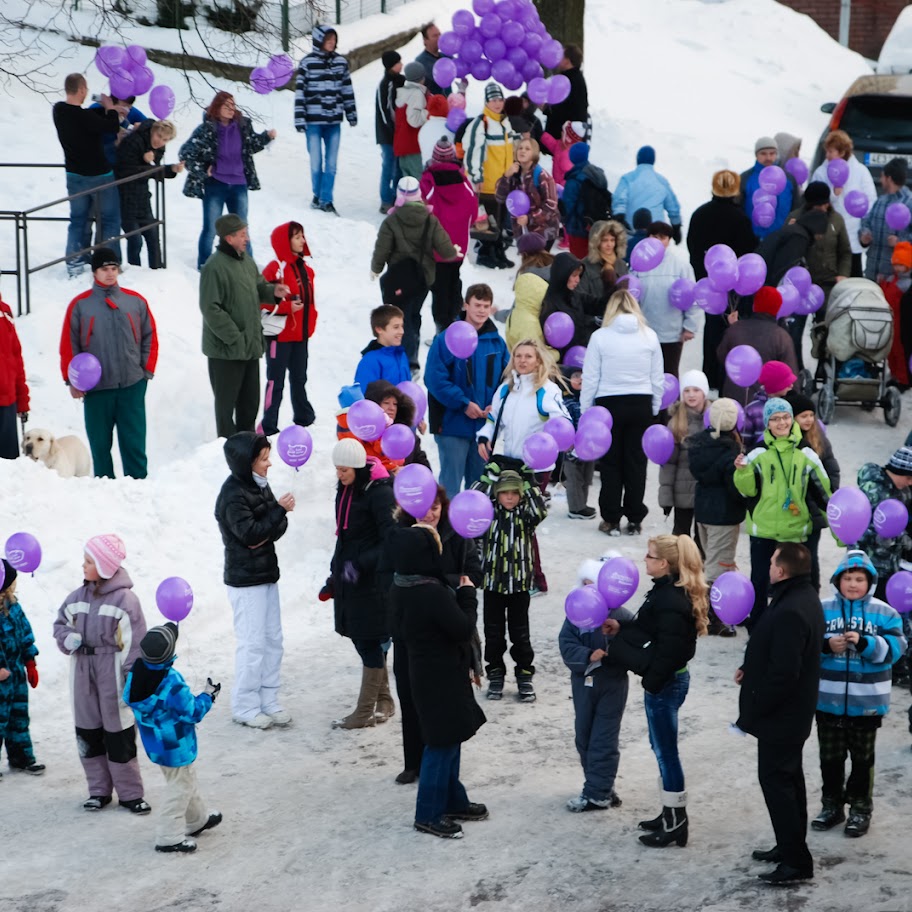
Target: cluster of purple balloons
174, 598
593, 433
295, 446
588, 606
129, 74
23, 552
84, 371
799, 294
773, 181
274, 75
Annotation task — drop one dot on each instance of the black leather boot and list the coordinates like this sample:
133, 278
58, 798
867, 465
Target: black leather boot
674, 823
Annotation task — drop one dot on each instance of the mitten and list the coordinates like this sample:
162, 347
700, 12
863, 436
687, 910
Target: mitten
212, 689
676, 233
374, 276
73, 641
31, 672
327, 592
350, 572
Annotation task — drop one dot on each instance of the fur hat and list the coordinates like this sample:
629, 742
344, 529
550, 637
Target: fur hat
588, 570
773, 407
9, 575
104, 256
723, 416
108, 552
414, 72
765, 142
816, 193
767, 301
902, 255
646, 155
158, 645
349, 453
529, 243
579, 153
408, 189
574, 131
444, 151
776, 377
726, 184
390, 59
228, 224
694, 378
493, 91
508, 481
901, 461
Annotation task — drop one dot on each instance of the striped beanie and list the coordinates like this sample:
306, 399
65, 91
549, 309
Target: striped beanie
158, 645
901, 461
444, 151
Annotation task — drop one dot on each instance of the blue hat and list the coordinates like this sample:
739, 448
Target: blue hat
579, 153
773, 406
348, 395
646, 156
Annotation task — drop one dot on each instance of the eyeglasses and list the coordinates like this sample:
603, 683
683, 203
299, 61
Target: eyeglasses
652, 556
781, 419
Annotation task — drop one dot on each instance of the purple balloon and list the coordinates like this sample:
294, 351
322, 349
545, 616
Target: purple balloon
812, 301
463, 24
461, 339
538, 91
503, 72
471, 513
174, 598
143, 80
518, 203
23, 552
137, 55
658, 443
732, 597
890, 518
161, 101
494, 50
592, 441
455, 119
597, 414
471, 52
559, 329
415, 489
449, 43
490, 25
800, 278
681, 293
84, 371
743, 365
849, 514
648, 254
763, 215
761, 196
585, 608
513, 80
772, 179
561, 430
512, 34
463, 68
294, 445
281, 66
857, 203
551, 54
617, 581
398, 441
575, 356
631, 284
722, 274
108, 58
898, 216
671, 389
532, 45
444, 72
899, 591
558, 89
366, 420
718, 253
838, 172
481, 7
739, 423
751, 274
791, 299
122, 84
262, 80
518, 57
540, 451
708, 299
798, 169
418, 396
507, 9
532, 71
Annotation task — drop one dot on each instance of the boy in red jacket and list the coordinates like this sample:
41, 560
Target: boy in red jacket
14, 391
286, 345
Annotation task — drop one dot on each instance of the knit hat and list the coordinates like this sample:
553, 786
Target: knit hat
508, 481
390, 59
897, 170
157, 646
902, 255
9, 575
579, 153
723, 416
408, 189
588, 570
694, 378
726, 184
493, 91
530, 243
646, 156
816, 193
108, 552
229, 224
349, 453
414, 72
444, 151
104, 256
901, 461
767, 301
774, 406
574, 131
801, 403
765, 142
776, 377
642, 219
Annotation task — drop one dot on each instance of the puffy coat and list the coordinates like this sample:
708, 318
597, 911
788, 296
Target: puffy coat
667, 321
785, 201
250, 519
382, 362
488, 149
400, 235
645, 188
13, 387
885, 553
17, 646
411, 115
598, 283
830, 255
323, 87
576, 644
293, 271
574, 179
712, 463
772, 342
677, 484
450, 196
781, 483
859, 179
560, 156
453, 383
720, 221
135, 197
385, 107
539, 186
524, 321
791, 245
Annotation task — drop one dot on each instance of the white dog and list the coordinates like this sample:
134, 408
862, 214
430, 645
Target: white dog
68, 456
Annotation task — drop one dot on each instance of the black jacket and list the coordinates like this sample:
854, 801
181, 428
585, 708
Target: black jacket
782, 665
574, 107
789, 246
712, 464
364, 520
249, 518
661, 639
385, 107
135, 198
558, 298
720, 221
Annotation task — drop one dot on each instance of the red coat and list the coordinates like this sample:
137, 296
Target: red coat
897, 359
13, 387
288, 269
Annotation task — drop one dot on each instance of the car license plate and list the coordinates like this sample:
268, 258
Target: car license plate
881, 158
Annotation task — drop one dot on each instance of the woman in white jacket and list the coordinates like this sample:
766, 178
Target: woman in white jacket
623, 372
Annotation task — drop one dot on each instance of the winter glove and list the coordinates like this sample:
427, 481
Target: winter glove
667, 511
31, 672
23, 417
72, 642
676, 233
212, 689
350, 572
374, 276
327, 592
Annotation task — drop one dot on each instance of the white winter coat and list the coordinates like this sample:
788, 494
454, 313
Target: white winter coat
859, 179
667, 321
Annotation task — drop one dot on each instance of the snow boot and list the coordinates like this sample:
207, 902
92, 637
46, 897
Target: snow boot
363, 714
656, 822
496, 678
525, 687
674, 822
830, 815
386, 706
858, 823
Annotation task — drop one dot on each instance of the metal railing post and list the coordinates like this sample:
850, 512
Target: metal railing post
25, 264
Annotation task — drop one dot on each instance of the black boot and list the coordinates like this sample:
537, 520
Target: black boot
496, 678
652, 825
674, 823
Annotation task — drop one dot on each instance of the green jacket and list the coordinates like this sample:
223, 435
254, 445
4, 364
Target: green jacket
783, 486
400, 237
231, 290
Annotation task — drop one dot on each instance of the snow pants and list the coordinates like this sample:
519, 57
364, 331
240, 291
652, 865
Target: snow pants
14, 718
182, 808
599, 710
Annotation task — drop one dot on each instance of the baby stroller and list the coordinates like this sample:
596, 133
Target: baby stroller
852, 344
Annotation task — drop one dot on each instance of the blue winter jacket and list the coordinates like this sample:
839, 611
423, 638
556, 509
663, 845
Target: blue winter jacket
167, 719
380, 362
857, 683
574, 221
455, 382
645, 188
785, 202
576, 645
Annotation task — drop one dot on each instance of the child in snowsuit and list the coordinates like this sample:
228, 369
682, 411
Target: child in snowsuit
862, 641
100, 625
286, 344
577, 473
167, 712
14, 391
17, 668
506, 558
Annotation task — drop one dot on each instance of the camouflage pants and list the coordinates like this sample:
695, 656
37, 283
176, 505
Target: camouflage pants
839, 736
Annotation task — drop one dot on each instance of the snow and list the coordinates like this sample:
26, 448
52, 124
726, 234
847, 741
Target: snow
313, 819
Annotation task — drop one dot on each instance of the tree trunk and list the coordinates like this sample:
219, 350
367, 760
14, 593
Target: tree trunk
563, 19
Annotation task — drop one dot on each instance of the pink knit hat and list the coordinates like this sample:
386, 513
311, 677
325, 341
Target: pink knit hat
776, 377
574, 131
108, 552
443, 151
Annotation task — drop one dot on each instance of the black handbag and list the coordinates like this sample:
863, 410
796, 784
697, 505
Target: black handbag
405, 280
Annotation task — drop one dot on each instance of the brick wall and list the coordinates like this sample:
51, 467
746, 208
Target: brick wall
869, 26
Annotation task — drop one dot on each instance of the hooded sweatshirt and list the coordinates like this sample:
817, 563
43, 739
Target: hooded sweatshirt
298, 276
323, 86
411, 116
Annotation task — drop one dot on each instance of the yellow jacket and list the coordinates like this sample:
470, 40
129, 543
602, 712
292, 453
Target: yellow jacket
524, 321
488, 149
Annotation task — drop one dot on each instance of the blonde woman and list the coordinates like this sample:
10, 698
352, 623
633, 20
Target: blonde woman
657, 644
602, 268
623, 371
526, 174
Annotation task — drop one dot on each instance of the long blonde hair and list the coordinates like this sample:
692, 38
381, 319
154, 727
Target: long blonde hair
8, 596
679, 425
598, 231
685, 562
623, 302
547, 368
814, 436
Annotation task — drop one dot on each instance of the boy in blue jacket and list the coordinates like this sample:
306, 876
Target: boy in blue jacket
385, 357
166, 714
863, 640
461, 391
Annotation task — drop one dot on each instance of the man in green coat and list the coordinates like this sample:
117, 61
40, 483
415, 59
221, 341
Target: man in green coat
231, 290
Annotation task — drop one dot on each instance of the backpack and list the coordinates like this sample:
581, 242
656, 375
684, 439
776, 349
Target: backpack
594, 202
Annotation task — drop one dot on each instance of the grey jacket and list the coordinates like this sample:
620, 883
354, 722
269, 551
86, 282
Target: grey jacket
400, 238
677, 485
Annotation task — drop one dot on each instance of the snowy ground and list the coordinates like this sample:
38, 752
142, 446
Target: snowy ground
313, 819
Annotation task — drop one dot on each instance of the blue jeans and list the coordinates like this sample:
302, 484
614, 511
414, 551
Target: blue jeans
219, 196
662, 719
389, 175
83, 209
372, 652
459, 462
439, 788
323, 165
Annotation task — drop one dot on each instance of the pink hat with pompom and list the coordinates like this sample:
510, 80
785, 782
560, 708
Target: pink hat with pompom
108, 552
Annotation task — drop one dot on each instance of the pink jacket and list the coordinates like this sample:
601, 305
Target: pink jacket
561, 155
450, 196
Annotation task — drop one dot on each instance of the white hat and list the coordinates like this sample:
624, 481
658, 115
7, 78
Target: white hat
695, 378
349, 453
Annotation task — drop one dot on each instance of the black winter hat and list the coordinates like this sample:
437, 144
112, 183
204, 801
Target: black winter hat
816, 193
158, 645
800, 403
8, 576
390, 59
104, 256
642, 219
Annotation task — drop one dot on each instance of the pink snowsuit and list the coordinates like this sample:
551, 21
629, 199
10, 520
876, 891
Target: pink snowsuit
560, 155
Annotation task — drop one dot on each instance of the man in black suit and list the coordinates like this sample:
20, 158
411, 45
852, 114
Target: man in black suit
779, 680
